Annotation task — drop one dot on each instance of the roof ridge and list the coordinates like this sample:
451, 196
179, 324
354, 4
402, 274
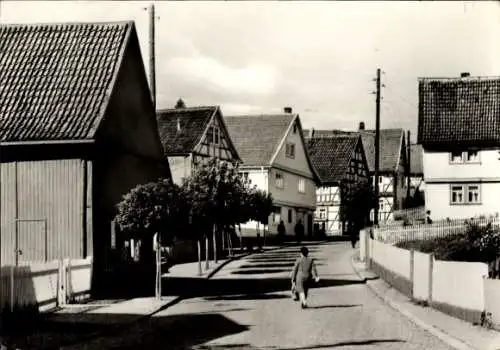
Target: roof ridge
473, 78
293, 115
186, 109
65, 24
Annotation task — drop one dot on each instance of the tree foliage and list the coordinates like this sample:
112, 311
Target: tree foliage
358, 203
180, 104
150, 208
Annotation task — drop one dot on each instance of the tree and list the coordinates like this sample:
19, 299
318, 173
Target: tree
357, 204
180, 104
153, 208
261, 206
217, 197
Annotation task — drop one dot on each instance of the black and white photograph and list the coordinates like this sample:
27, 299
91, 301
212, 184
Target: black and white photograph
249, 175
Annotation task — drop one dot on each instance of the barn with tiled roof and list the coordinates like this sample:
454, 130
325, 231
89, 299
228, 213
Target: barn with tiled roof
77, 132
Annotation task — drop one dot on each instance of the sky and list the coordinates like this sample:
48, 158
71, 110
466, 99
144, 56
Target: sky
318, 57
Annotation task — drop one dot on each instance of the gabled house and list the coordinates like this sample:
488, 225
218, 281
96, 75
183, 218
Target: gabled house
191, 136
393, 166
459, 130
341, 165
273, 151
77, 131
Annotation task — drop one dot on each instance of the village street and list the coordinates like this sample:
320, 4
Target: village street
247, 305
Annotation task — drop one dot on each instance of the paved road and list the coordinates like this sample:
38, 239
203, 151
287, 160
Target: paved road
248, 306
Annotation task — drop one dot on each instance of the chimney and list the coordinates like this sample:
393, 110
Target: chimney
287, 110
361, 125
178, 124
464, 74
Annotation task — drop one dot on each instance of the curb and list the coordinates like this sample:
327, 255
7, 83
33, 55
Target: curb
445, 337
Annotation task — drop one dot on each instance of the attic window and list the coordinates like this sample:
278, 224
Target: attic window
290, 150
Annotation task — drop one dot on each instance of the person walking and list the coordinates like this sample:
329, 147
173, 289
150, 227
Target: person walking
281, 231
299, 231
303, 272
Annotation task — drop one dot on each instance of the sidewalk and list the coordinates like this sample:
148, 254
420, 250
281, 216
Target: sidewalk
80, 322
455, 332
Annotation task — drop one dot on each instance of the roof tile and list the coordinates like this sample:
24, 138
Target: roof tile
330, 155
463, 112
54, 78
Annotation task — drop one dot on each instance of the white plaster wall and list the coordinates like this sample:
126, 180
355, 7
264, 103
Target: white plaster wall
421, 274
459, 284
392, 258
491, 299
437, 165
437, 200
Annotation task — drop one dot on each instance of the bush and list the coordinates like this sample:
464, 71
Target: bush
477, 244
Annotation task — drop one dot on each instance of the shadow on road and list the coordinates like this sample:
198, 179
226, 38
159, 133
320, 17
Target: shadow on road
173, 332
266, 265
247, 297
333, 306
255, 271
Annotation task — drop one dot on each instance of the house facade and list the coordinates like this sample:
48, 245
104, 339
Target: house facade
341, 165
192, 136
273, 151
392, 169
458, 130
74, 139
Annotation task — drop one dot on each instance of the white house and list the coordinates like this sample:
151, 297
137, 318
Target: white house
458, 128
341, 164
275, 159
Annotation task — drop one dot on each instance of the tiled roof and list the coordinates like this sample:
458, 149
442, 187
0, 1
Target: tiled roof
330, 155
56, 79
459, 112
257, 138
192, 122
391, 141
416, 159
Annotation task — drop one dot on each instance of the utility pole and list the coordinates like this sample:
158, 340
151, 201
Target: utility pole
152, 72
408, 179
377, 149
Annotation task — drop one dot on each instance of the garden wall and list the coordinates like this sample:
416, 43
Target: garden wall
459, 289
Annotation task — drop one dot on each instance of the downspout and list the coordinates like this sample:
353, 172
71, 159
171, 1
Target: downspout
84, 210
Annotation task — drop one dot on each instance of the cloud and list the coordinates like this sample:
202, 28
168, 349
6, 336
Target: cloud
208, 73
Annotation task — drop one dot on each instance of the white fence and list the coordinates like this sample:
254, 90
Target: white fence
394, 234
461, 289
45, 285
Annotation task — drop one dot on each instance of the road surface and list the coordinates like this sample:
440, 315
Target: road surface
247, 305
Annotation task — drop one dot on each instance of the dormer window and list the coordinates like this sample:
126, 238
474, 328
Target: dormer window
459, 157
472, 157
456, 157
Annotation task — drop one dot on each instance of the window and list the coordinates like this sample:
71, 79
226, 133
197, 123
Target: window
302, 186
473, 194
290, 150
322, 213
279, 180
289, 216
380, 179
380, 204
457, 194
458, 157
465, 194
472, 157
276, 215
318, 198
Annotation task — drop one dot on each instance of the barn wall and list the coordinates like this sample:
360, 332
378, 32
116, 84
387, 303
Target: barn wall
46, 190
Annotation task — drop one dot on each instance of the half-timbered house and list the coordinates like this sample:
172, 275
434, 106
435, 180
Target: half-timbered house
193, 135
341, 165
458, 128
273, 151
417, 183
392, 169
77, 132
